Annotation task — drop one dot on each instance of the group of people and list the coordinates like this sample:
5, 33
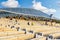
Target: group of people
30, 23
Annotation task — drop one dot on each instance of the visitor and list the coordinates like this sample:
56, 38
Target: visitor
12, 27
28, 23
32, 24
18, 28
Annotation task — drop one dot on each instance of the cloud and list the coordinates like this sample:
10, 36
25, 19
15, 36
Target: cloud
58, 3
38, 6
10, 3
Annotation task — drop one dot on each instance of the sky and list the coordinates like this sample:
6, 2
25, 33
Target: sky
46, 6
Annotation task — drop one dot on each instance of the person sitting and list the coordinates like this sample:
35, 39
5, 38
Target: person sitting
24, 30
28, 23
8, 25
12, 27
32, 24
18, 28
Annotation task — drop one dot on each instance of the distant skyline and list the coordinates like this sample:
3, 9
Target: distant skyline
47, 6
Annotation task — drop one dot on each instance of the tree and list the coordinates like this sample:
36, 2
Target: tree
51, 18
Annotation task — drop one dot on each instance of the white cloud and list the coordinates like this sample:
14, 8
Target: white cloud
10, 3
58, 3
38, 6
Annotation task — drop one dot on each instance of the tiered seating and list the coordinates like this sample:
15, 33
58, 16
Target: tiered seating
11, 33
8, 30
17, 37
41, 38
